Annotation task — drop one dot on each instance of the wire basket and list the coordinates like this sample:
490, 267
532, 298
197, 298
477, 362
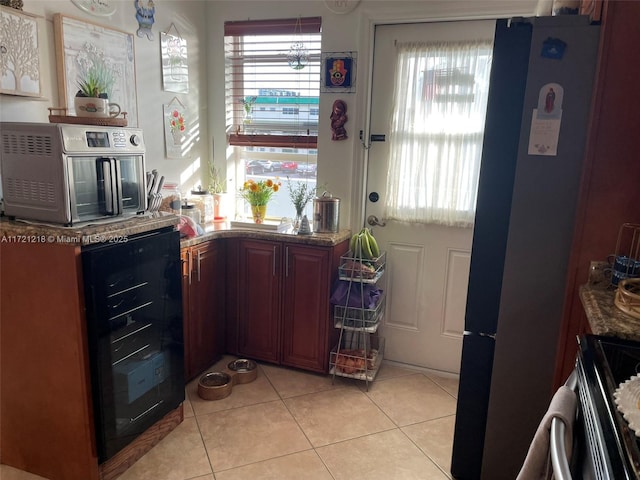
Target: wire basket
352, 317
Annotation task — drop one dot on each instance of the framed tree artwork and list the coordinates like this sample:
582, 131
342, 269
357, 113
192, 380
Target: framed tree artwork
81, 45
19, 58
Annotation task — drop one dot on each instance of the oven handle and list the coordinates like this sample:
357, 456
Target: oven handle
117, 184
561, 470
106, 166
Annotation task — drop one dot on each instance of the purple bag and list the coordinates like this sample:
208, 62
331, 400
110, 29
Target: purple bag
370, 292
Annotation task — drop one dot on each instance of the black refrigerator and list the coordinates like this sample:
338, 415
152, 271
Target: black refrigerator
535, 132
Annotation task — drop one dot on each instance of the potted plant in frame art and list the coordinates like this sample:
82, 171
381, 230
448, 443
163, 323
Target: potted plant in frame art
95, 81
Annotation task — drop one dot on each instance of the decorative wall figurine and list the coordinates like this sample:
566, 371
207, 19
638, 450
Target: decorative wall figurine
19, 58
338, 72
144, 16
338, 119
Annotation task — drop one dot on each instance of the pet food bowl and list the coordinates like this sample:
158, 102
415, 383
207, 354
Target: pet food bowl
243, 370
214, 385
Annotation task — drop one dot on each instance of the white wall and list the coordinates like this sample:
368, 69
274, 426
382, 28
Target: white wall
340, 164
190, 21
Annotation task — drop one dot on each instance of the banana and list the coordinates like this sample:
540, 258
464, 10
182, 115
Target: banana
352, 243
375, 248
366, 248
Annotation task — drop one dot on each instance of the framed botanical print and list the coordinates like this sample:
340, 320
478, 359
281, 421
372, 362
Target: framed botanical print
338, 72
83, 47
19, 56
176, 133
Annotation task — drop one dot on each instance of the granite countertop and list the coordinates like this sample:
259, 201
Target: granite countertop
114, 231
224, 230
604, 317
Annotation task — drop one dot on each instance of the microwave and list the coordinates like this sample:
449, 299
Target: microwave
70, 174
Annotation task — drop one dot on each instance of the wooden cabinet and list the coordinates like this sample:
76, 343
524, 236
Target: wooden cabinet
610, 188
305, 302
282, 303
258, 277
46, 403
46, 409
203, 280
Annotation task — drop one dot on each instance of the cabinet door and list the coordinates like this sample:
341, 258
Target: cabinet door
307, 276
204, 333
259, 300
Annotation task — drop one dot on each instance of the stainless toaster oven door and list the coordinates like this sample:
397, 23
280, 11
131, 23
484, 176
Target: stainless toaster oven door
105, 186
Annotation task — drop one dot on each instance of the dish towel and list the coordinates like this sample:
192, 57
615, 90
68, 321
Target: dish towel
537, 464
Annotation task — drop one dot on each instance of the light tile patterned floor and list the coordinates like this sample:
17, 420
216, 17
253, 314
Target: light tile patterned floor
289, 425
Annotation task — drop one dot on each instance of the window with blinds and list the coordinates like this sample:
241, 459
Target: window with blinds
272, 82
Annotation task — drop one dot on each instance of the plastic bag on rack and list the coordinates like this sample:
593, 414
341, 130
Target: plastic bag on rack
340, 294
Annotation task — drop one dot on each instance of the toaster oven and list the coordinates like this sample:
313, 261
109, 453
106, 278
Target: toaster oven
69, 174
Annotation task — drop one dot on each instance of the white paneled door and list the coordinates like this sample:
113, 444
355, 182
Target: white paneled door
427, 265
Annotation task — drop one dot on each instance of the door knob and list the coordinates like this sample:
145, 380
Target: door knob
373, 221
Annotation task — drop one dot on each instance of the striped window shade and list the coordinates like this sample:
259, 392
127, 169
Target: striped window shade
272, 82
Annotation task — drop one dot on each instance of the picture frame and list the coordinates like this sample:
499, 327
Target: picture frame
20, 53
338, 72
77, 42
175, 69
176, 131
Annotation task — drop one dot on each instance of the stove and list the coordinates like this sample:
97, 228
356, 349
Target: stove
611, 449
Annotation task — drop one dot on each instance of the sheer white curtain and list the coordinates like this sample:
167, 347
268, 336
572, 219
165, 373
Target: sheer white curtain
440, 101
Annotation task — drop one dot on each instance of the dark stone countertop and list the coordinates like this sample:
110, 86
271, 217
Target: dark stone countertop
604, 317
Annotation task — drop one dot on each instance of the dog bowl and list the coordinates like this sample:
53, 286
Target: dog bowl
244, 370
214, 385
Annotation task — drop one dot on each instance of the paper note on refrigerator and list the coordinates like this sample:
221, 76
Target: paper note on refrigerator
543, 137
546, 119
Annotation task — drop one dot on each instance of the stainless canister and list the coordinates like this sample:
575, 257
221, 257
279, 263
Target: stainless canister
326, 213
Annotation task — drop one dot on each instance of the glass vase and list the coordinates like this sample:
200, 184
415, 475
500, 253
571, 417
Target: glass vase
259, 212
297, 220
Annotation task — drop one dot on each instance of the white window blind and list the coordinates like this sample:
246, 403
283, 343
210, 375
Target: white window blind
439, 107
268, 102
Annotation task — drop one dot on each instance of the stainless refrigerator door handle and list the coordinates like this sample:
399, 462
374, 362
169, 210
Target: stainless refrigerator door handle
490, 335
480, 334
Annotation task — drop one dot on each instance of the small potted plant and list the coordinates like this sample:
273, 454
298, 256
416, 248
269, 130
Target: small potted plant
247, 105
217, 188
95, 81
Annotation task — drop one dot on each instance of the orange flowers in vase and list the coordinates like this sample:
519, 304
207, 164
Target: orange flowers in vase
257, 194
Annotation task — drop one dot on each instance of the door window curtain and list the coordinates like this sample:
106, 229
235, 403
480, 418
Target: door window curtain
439, 106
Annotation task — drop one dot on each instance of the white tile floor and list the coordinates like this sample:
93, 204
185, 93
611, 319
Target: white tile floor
291, 425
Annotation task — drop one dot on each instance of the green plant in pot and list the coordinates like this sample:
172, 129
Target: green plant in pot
95, 81
217, 187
